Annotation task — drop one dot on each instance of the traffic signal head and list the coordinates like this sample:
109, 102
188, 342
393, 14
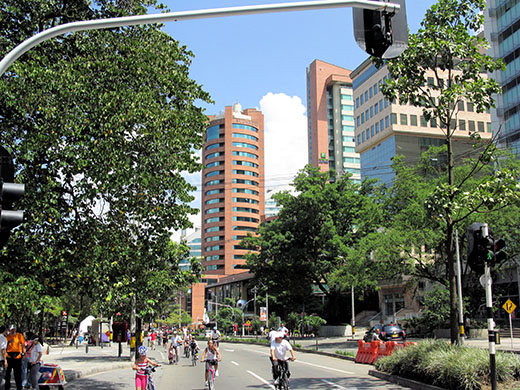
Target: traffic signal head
9, 193
500, 255
476, 252
381, 34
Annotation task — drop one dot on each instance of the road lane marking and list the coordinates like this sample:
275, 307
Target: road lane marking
324, 367
310, 364
235, 363
336, 386
162, 355
229, 350
261, 379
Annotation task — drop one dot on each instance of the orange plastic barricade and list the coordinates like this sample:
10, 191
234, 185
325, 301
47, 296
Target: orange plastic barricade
385, 349
367, 352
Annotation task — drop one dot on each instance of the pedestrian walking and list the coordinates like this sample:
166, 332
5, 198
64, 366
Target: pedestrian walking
15, 350
467, 327
26, 368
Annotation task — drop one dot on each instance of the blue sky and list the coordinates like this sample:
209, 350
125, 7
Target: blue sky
260, 62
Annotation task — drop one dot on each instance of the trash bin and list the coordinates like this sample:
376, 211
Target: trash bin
52, 377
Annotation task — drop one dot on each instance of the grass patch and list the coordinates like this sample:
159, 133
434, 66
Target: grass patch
345, 353
453, 367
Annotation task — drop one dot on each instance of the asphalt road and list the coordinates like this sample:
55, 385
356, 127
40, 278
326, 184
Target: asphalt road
244, 367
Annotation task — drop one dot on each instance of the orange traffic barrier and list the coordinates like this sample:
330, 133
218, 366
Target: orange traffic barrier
385, 349
367, 352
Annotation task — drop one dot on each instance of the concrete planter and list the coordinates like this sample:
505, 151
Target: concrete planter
335, 330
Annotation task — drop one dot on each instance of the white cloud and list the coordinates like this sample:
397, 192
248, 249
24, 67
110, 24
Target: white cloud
286, 144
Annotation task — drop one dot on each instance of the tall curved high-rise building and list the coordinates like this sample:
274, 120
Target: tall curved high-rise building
232, 188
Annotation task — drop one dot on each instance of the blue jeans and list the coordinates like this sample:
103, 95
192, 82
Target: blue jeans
26, 376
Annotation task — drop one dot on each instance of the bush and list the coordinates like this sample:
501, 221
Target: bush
452, 367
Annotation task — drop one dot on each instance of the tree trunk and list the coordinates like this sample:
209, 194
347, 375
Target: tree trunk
450, 249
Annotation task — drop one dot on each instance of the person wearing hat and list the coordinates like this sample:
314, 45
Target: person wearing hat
15, 350
3, 354
177, 341
140, 365
279, 349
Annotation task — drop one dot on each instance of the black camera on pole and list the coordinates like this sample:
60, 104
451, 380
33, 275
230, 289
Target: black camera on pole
9, 193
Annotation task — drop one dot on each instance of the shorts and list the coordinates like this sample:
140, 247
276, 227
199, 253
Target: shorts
141, 381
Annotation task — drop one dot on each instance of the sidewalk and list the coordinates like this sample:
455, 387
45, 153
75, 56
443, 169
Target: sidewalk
77, 363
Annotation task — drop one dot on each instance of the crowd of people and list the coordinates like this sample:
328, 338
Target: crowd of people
21, 357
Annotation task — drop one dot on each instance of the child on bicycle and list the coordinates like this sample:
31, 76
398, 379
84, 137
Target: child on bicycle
211, 352
279, 348
140, 365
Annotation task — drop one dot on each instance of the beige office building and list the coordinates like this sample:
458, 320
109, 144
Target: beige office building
385, 129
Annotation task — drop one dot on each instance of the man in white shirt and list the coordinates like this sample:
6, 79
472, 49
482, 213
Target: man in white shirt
3, 355
279, 349
284, 330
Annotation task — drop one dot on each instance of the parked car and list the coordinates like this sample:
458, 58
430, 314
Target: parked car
388, 332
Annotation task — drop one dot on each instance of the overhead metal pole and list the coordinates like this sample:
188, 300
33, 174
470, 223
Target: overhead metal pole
188, 15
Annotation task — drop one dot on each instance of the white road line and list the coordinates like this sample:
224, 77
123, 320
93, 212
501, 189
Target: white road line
235, 363
261, 379
336, 386
324, 367
162, 355
229, 350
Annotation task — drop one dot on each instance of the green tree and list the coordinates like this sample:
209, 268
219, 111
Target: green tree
312, 237
101, 125
447, 45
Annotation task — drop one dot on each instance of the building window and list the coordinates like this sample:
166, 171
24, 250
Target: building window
480, 126
382, 124
361, 99
431, 82
376, 108
413, 120
244, 145
424, 122
357, 102
213, 192
358, 139
214, 173
214, 146
462, 125
214, 182
244, 172
394, 118
213, 155
244, 127
368, 133
246, 163
370, 92
245, 191
387, 122
212, 133
366, 96
470, 107
363, 137
245, 154
213, 201
362, 117
471, 125
489, 127
213, 164
215, 210
433, 122
371, 112
246, 136
460, 105
372, 130
404, 119
349, 149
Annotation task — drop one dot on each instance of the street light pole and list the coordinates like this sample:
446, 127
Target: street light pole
98, 24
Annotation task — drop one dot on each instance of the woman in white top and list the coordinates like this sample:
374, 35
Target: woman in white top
35, 361
210, 353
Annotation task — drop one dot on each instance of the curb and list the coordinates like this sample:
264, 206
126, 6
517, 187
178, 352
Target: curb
71, 375
403, 381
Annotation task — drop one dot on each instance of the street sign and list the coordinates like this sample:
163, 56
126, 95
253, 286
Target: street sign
509, 306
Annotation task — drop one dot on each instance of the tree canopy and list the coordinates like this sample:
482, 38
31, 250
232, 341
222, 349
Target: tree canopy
101, 125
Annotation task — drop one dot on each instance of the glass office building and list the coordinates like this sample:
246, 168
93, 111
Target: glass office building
502, 29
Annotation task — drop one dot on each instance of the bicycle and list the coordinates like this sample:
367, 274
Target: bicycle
194, 357
187, 351
211, 374
149, 383
283, 375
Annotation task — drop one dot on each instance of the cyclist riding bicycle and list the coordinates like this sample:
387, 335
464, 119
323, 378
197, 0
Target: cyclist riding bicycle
194, 346
211, 353
140, 365
215, 336
278, 350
